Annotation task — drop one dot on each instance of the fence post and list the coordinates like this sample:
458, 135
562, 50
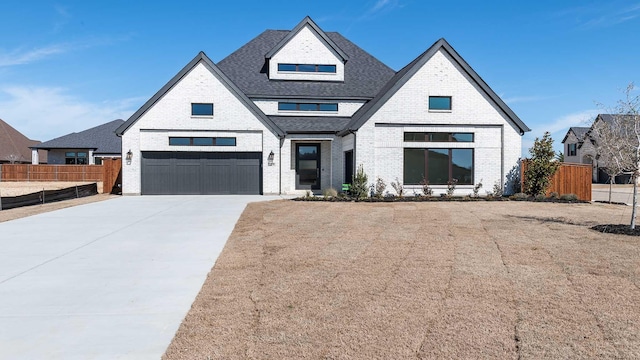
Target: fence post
77, 191
42, 196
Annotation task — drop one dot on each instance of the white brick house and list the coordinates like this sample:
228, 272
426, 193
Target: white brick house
299, 110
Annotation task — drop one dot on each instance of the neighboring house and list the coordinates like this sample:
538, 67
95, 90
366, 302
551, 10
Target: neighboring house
15, 147
299, 110
87, 147
573, 141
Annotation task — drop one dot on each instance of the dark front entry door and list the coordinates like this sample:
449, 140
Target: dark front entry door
308, 166
348, 167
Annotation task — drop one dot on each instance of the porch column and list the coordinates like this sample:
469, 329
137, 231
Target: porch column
34, 157
91, 160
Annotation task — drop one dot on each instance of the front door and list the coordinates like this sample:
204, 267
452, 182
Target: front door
308, 166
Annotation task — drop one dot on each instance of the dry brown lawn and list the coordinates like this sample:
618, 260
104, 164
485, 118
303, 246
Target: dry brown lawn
490, 280
17, 188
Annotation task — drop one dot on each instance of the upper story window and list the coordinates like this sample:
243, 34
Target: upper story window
439, 102
202, 141
438, 137
307, 68
572, 149
291, 106
202, 109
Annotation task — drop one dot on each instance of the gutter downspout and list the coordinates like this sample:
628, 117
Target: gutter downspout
280, 165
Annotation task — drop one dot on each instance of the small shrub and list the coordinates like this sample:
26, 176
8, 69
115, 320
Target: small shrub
554, 195
398, 187
519, 196
497, 190
451, 187
426, 189
307, 194
379, 188
569, 197
359, 187
476, 188
330, 192
540, 197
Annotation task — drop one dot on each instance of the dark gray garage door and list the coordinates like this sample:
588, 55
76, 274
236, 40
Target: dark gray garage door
201, 173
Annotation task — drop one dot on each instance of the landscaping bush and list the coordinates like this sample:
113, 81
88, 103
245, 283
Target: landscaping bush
519, 197
569, 197
426, 189
330, 192
379, 188
398, 187
359, 184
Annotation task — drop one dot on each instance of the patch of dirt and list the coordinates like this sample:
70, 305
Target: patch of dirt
25, 211
16, 188
623, 229
491, 280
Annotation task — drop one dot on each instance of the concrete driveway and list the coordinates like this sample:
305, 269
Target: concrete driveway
108, 280
621, 193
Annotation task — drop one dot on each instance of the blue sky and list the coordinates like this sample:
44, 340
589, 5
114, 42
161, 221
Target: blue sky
66, 66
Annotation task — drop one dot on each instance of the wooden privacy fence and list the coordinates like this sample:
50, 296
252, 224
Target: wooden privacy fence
569, 179
109, 173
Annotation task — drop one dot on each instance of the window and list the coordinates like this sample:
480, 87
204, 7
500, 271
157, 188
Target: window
438, 166
201, 109
307, 68
439, 102
289, 106
572, 149
76, 158
202, 141
437, 137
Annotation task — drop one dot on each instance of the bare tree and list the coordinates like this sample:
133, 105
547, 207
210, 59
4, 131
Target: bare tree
609, 150
12, 158
619, 141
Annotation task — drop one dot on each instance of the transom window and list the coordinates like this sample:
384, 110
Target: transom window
291, 106
438, 166
572, 149
437, 137
76, 158
307, 68
202, 109
202, 141
439, 102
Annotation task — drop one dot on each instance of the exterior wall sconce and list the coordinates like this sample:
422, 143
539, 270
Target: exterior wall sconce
270, 158
129, 157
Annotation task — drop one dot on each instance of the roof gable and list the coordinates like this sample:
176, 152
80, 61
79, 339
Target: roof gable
14, 146
401, 77
578, 131
102, 139
307, 22
201, 57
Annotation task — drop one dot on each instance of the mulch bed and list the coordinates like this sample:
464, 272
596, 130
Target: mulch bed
622, 229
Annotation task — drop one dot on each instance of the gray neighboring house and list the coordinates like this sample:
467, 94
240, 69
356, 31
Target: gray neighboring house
87, 147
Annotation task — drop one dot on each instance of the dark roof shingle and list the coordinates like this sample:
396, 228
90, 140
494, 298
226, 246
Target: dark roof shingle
310, 124
101, 138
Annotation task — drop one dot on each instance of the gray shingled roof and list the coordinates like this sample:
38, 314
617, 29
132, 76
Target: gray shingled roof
102, 139
310, 124
364, 75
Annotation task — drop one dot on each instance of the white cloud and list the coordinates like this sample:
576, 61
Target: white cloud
601, 14
21, 56
44, 113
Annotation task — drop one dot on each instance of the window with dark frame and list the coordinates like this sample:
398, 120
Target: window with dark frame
201, 109
438, 137
202, 141
438, 166
439, 102
572, 149
291, 106
307, 68
76, 158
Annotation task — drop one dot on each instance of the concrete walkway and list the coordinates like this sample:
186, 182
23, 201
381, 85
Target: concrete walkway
108, 280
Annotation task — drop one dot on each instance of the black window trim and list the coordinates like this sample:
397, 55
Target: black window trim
450, 150
318, 106
450, 136
440, 96
191, 140
202, 115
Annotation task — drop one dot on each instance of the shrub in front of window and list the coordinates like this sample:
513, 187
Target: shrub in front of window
476, 188
379, 188
426, 189
497, 189
451, 187
359, 184
398, 187
329, 193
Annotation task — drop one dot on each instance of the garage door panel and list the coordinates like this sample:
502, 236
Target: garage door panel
201, 173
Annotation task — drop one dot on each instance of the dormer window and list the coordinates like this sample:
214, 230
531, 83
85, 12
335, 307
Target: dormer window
307, 68
291, 106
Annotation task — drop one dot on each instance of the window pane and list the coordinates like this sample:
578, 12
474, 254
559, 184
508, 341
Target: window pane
82, 154
226, 141
462, 137
286, 67
328, 107
306, 68
70, 161
439, 137
179, 141
201, 109
327, 68
462, 165
82, 161
70, 154
438, 166
439, 102
413, 166
286, 106
308, 107
202, 141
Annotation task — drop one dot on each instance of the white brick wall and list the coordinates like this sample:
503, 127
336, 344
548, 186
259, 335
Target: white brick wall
171, 115
380, 146
306, 48
330, 161
345, 108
